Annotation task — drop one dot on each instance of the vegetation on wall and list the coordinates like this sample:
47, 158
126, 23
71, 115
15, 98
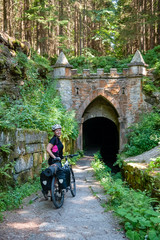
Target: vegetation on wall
39, 106
135, 209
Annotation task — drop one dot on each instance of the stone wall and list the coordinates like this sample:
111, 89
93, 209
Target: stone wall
27, 151
135, 172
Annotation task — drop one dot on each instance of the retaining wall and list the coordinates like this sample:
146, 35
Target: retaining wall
135, 172
27, 151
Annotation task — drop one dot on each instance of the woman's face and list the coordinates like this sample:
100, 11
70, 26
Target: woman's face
57, 132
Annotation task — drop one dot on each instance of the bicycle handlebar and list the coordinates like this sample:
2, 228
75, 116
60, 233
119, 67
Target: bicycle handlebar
71, 155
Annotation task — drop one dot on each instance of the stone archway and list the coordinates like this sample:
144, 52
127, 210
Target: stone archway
100, 130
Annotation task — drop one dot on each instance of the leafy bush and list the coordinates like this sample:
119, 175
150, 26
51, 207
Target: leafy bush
93, 63
154, 164
39, 106
143, 135
141, 221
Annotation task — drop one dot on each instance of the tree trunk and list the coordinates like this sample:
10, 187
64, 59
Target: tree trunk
5, 25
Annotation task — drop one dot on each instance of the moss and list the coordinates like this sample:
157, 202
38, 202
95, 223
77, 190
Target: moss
140, 179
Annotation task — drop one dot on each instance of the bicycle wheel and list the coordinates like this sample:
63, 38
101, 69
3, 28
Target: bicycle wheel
57, 193
72, 183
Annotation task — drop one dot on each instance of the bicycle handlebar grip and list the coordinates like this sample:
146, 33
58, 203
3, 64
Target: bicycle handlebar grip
73, 155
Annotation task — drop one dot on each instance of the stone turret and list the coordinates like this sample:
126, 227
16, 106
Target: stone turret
137, 65
62, 68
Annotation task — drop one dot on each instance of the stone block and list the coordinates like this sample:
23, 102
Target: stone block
44, 137
136, 70
22, 177
32, 148
7, 137
100, 71
67, 72
113, 72
20, 135
24, 163
32, 137
19, 149
73, 72
59, 72
102, 83
125, 71
37, 159
86, 72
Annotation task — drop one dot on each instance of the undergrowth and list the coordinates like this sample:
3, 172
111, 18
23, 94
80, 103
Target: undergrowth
12, 198
134, 208
144, 135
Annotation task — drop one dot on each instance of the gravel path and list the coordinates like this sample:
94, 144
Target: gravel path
80, 218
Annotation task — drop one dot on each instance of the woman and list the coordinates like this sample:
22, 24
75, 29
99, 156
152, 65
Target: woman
55, 146
55, 150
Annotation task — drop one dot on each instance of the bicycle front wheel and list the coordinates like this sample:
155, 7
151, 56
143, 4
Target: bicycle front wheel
57, 193
72, 183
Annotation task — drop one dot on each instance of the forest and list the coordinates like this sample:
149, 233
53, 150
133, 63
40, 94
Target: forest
93, 27
92, 34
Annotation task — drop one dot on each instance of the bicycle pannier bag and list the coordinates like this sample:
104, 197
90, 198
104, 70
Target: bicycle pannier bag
67, 174
45, 181
61, 178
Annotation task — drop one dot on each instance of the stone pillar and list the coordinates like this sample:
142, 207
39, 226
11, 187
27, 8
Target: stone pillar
122, 138
86, 72
62, 68
100, 72
80, 136
113, 72
137, 66
62, 71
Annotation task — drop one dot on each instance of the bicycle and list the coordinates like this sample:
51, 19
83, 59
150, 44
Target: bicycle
57, 193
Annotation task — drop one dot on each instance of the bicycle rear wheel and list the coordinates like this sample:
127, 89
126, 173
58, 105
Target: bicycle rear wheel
72, 183
57, 193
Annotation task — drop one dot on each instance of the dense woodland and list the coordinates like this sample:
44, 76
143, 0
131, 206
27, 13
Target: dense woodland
97, 27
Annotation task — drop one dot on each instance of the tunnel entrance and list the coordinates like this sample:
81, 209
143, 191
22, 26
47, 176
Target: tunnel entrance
100, 133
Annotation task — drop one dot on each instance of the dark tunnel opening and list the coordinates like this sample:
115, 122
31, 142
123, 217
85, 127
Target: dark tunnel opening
100, 133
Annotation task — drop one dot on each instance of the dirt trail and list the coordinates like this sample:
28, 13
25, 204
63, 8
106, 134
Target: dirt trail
80, 218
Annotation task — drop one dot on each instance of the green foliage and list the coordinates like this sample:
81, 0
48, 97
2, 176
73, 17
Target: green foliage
99, 167
80, 153
149, 86
6, 173
93, 63
119, 161
134, 208
143, 135
39, 106
154, 164
152, 56
73, 160
5, 148
12, 197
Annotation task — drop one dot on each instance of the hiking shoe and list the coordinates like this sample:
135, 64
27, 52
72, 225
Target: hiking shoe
45, 194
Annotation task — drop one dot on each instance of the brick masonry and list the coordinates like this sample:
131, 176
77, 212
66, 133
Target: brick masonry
116, 96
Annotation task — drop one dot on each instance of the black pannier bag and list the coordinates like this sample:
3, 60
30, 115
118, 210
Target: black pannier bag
45, 181
61, 178
67, 174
